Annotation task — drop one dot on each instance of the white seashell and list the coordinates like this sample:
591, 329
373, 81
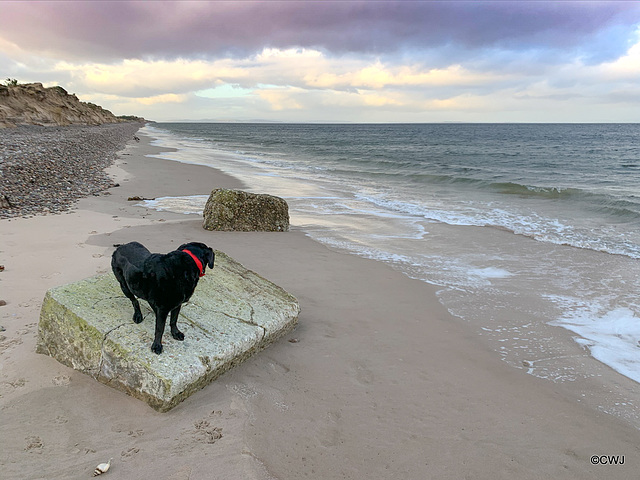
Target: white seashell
102, 468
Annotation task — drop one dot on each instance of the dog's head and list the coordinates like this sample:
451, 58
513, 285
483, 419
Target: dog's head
200, 250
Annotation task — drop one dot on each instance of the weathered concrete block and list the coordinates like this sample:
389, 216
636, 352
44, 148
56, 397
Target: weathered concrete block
233, 314
235, 210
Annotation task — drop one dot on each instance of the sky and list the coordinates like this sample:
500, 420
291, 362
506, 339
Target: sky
334, 61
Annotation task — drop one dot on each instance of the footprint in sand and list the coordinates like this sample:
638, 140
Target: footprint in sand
207, 433
61, 420
61, 381
203, 432
34, 444
364, 375
278, 367
245, 391
17, 383
51, 275
83, 451
7, 343
130, 452
31, 327
183, 474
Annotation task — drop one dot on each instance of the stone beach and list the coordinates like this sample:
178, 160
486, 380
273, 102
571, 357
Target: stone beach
47, 169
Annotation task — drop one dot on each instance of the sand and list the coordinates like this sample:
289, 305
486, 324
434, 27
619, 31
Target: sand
378, 381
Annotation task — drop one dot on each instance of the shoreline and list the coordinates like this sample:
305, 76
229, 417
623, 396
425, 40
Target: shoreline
507, 302
382, 382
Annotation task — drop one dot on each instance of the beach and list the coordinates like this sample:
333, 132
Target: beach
378, 380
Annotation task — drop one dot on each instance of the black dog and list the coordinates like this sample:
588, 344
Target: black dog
164, 281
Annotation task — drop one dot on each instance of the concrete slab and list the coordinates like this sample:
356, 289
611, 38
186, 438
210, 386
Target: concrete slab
233, 314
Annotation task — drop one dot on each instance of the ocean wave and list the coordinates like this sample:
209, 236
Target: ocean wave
604, 238
456, 191
611, 336
622, 207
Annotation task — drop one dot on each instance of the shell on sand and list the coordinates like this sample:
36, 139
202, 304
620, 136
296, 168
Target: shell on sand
102, 468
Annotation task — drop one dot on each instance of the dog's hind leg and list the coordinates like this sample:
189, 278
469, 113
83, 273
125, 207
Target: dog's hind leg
161, 320
175, 333
137, 314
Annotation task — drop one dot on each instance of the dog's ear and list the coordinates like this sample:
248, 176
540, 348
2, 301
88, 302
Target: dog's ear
210, 257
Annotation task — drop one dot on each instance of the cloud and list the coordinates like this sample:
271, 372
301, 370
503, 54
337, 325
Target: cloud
302, 68
293, 83
333, 61
110, 30
164, 98
378, 76
624, 68
135, 77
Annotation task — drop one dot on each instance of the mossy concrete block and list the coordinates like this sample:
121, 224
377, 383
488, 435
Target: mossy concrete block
233, 314
235, 210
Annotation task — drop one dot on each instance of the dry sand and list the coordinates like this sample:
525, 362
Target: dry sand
380, 383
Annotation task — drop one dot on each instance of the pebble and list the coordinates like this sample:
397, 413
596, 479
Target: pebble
46, 170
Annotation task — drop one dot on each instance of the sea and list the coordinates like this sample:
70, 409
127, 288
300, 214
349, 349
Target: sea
530, 232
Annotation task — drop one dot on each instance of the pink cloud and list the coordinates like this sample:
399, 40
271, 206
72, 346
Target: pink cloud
103, 30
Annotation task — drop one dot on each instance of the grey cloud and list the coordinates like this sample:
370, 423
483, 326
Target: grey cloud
101, 30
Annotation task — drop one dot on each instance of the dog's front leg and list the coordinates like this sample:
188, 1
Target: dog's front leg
161, 320
175, 333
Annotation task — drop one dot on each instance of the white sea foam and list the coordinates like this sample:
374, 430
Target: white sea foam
490, 272
611, 336
193, 204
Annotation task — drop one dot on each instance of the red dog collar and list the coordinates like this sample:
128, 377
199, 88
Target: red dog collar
198, 262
